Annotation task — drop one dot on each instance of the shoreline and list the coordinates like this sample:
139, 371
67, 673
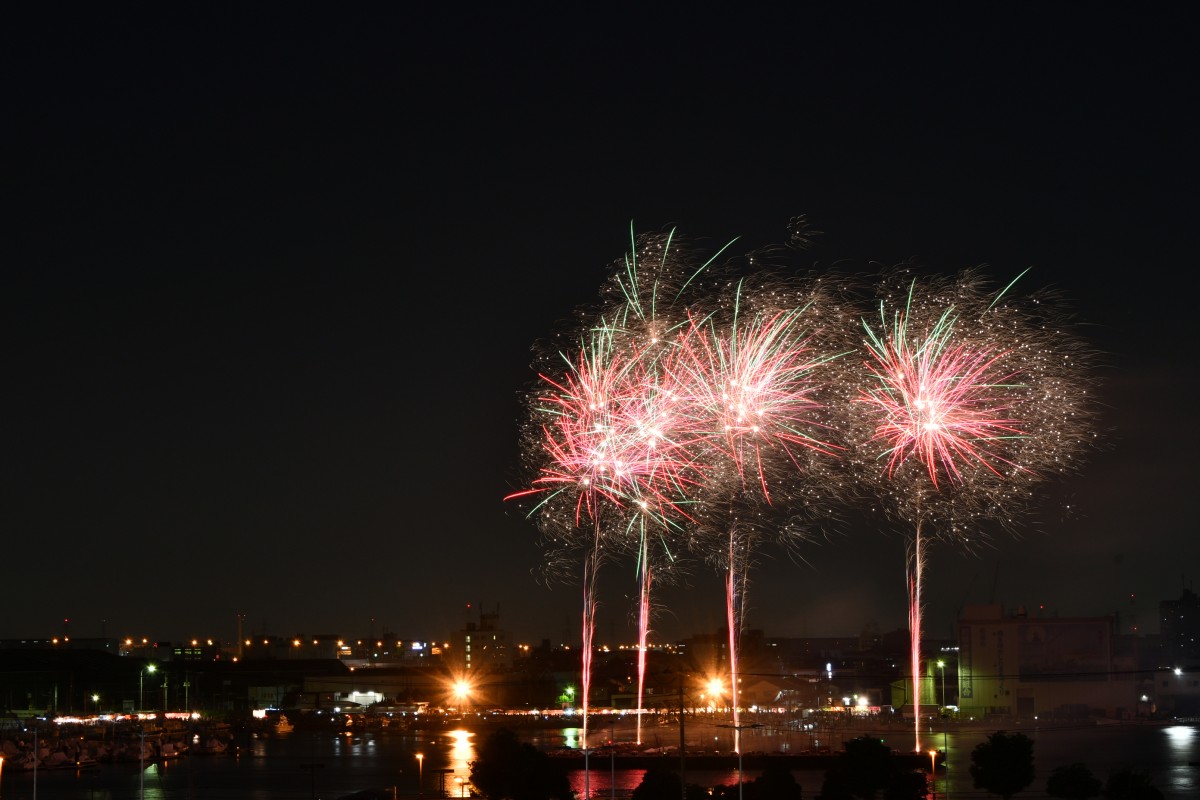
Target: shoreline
724, 761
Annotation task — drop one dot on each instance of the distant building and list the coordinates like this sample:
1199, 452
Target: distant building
389, 688
299, 647
481, 644
1017, 665
811, 652
196, 650
1179, 626
1176, 691
62, 643
388, 650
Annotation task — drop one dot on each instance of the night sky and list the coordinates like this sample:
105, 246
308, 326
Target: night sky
271, 283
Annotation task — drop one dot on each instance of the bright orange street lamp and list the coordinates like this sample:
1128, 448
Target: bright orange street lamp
462, 693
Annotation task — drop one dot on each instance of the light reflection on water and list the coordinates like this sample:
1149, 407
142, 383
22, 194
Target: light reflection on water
1165, 752
1181, 739
462, 753
325, 765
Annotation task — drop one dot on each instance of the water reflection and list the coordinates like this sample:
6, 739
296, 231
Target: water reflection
462, 753
1180, 740
331, 765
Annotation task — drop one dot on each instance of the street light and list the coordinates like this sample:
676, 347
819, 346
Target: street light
142, 686
420, 773
941, 665
462, 694
933, 773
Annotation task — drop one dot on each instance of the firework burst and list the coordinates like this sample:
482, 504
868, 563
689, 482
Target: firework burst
758, 369
607, 463
610, 446
966, 401
705, 409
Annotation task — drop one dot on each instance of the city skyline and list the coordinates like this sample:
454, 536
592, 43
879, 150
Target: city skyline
608, 637
272, 303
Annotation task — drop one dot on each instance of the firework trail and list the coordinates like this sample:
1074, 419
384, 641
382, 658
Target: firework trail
646, 298
693, 409
582, 474
966, 401
756, 375
609, 442
604, 466
655, 391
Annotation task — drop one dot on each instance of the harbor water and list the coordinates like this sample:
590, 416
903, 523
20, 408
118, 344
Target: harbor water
436, 763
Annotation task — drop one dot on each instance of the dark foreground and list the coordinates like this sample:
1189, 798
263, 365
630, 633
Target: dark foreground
725, 761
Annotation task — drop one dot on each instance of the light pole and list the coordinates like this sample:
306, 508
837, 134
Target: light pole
612, 754
933, 773
739, 729
142, 685
420, 773
946, 763
941, 664
142, 764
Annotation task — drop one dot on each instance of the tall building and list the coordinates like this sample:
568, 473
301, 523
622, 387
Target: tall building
481, 643
1179, 624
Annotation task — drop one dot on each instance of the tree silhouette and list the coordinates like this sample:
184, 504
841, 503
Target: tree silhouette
775, 783
507, 769
1130, 784
1074, 782
662, 783
906, 785
868, 767
1003, 764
